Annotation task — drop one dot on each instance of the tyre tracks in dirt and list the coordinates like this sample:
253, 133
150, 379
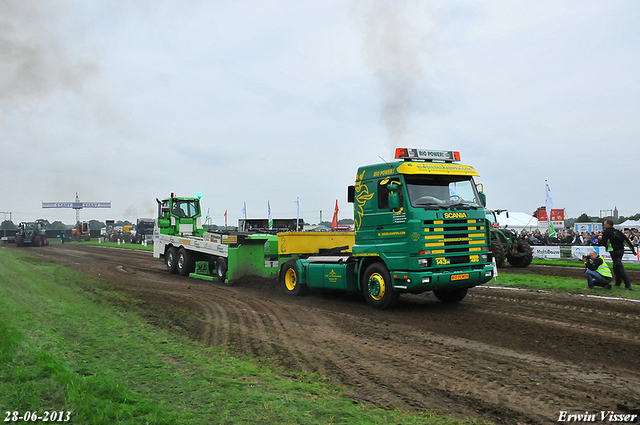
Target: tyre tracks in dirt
506, 356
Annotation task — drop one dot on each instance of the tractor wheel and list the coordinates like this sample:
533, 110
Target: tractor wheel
377, 288
19, 240
520, 256
498, 253
171, 260
185, 263
221, 269
36, 241
450, 296
290, 279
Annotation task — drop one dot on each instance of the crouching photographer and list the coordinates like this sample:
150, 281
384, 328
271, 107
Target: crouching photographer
598, 272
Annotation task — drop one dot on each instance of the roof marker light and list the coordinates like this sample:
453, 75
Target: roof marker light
409, 154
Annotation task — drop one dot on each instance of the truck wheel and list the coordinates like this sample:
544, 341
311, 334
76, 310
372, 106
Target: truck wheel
450, 296
521, 256
498, 253
185, 262
377, 288
221, 269
290, 279
171, 259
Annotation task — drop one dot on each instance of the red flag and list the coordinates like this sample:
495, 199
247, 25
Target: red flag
334, 222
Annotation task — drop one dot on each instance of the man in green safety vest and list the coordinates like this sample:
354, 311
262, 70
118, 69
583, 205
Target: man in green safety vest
615, 241
598, 272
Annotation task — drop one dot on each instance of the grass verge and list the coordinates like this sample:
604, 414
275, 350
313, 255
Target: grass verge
577, 263
561, 284
65, 349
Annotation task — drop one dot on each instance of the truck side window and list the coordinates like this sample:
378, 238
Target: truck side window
383, 193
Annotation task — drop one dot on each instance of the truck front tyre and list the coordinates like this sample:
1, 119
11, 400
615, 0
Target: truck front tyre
450, 296
221, 269
377, 287
290, 280
184, 263
171, 258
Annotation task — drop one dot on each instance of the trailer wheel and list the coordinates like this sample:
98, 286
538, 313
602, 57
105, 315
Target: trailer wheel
171, 259
185, 263
450, 296
377, 288
221, 269
291, 279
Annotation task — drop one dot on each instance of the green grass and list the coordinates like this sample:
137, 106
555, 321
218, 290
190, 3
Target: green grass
63, 347
109, 244
577, 263
560, 284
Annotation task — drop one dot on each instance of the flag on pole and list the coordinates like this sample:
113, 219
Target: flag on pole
297, 214
269, 212
244, 210
549, 207
334, 222
225, 218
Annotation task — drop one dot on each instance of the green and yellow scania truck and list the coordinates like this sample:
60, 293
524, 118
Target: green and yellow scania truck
419, 225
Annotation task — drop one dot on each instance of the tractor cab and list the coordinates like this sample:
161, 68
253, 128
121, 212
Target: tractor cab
180, 216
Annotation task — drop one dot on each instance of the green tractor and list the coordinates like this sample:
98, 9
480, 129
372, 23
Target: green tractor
32, 233
505, 245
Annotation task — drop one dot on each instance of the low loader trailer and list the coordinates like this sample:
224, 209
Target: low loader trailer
190, 250
419, 225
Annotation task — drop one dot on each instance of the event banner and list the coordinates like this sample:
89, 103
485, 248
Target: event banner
556, 214
76, 205
546, 252
577, 252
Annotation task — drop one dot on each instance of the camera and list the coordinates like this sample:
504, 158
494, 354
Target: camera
586, 258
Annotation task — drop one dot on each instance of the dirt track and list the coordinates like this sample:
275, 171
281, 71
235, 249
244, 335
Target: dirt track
503, 355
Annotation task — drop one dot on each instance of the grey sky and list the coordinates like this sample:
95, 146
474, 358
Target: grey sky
261, 102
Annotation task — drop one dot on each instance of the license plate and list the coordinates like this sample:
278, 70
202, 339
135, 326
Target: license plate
460, 276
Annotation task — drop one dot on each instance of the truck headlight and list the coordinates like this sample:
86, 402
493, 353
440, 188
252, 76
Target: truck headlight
424, 262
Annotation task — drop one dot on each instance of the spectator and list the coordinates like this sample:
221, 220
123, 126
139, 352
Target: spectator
598, 272
615, 242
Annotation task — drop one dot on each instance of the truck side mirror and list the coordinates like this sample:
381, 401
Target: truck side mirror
394, 197
483, 198
351, 194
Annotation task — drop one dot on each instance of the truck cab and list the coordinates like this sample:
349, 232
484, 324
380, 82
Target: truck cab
420, 225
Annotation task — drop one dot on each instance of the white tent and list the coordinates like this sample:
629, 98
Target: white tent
517, 221
629, 224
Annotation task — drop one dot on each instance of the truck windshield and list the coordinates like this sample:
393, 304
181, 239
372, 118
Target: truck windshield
185, 208
434, 192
